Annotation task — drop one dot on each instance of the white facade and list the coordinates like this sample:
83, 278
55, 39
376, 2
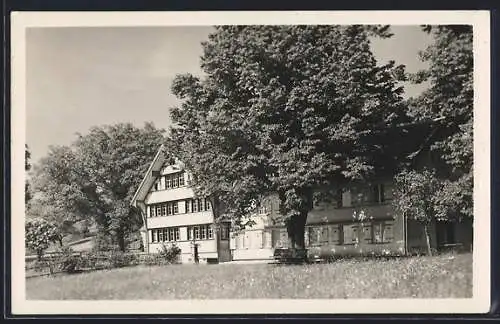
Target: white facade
172, 214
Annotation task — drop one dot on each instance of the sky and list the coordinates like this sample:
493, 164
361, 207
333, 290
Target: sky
79, 77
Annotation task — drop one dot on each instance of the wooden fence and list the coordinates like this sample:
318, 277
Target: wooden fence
54, 263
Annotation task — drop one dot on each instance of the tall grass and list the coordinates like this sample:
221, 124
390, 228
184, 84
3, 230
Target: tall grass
445, 276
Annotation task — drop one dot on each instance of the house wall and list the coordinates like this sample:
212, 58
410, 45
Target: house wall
207, 249
181, 219
160, 193
379, 232
169, 195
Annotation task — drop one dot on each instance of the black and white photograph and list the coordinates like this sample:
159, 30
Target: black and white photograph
250, 162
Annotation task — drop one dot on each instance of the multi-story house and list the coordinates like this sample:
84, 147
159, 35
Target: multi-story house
359, 220
173, 214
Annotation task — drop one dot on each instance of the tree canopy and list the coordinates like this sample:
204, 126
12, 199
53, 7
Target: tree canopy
450, 99
287, 110
97, 176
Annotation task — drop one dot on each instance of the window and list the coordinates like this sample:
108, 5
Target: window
377, 233
388, 234
313, 236
334, 235
197, 233
367, 234
164, 210
207, 204
388, 191
181, 179
350, 234
177, 234
175, 207
267, 240
369, 194
203, 230
175, 182
158, 210
195, 206
171, 235
210, 233
190, 233
151, 211
168, 182
323, 237
188, 206
346, 198
160, 236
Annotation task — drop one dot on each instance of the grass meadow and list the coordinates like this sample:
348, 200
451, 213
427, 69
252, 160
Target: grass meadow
443, 276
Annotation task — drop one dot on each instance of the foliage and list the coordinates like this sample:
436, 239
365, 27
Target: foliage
450, 99
118, 259
96, 177
415, 197
67, 261
415, 194
39, 233
286, 109
170, 253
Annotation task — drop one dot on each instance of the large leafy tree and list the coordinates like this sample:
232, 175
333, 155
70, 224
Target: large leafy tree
449, 100
97, 176
287, 110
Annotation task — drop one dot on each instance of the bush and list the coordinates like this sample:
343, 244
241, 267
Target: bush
39, 233
120, 259
67, 261
170, 253
150, 259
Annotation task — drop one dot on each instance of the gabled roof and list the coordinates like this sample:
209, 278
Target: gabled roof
149, 179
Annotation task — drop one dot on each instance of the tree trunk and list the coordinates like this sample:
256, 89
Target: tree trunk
296, 231
39, 255
428, 239
121, 240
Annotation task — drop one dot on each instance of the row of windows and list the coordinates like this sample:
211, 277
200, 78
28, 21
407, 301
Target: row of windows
376, 232
172, 207
168, 234
197, 205
202, 232
197, 233
352, 197
365, 195
169, 181
164, 209
253, 240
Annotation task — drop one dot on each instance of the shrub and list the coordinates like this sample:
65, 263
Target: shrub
67, 261
119, 259
150, 259
39, 233
170, 253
